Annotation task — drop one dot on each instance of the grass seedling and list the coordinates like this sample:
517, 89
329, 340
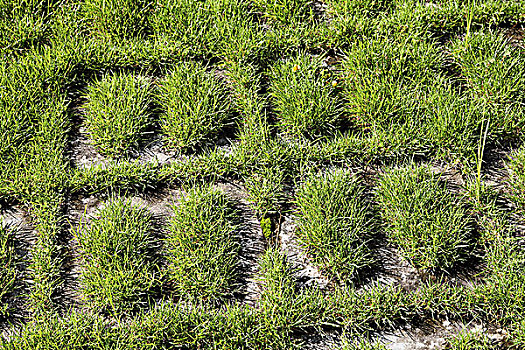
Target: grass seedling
202, 245
195, 104
304, 99
117, 112
430, 226
333, 224
119, 267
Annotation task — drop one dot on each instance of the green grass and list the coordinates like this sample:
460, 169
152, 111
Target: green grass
303, 97
119, 269
470, 341
24, 24
117, 18
266, 190
362, 345
117, 112
285, 12
203, 249
334, 224
195, 104
295, 89
516, 166
429, 225
399, 95
9, 273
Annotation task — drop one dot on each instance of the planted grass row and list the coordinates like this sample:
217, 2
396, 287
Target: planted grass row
33, 168
202, 28
286, 310
120, 268
432, 228
195, 106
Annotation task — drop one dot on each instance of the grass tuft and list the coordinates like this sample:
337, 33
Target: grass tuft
119, 268
430, 226
334, 224
203, 251
117, 18
304, 97
117, 112
196, 106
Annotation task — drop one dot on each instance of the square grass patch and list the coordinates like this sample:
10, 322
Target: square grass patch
117, 18
119, 264
285, 12
399, 96
430, 226
203, 250
195, 106
334, 224
493, 72
304, 97
117, 112
216, 28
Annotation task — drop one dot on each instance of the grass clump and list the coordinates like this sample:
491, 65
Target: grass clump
265, 190
490, 66
398, 95
117, 18
502, 296
516, 166
333, 223
283, 305
470, 341
119, 269
23, 23
7, 261
430, 226
195, 104
304, 99
285, 12
362, 345
493, 72
117, 112
202, 247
